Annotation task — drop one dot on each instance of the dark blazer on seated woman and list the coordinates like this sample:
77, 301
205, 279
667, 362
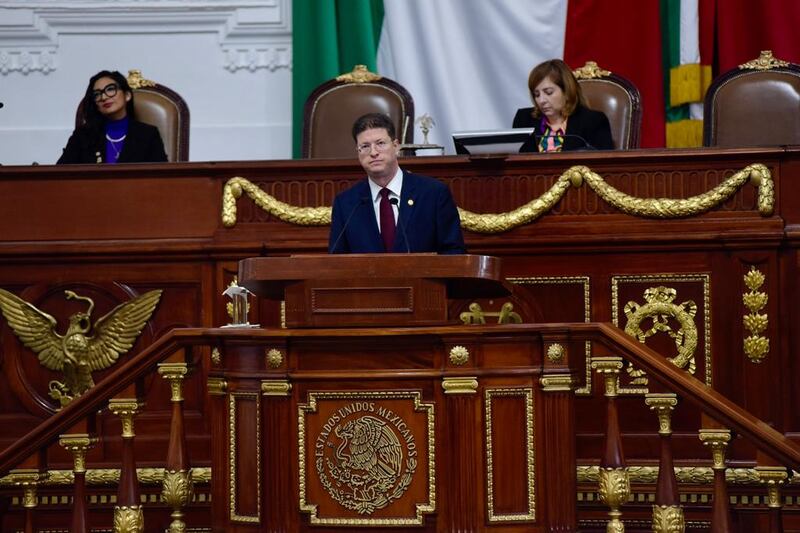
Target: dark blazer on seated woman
142, 144
586, 130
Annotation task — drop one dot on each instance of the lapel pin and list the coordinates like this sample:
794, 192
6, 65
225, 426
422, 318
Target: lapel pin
410, 202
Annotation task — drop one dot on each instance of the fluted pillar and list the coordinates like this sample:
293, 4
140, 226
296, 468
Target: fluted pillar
615, 487
667, 512
178, 489
773, 477
128, 513
717, 440
78, 445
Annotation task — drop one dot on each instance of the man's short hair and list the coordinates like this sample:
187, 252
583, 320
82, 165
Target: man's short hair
374, 121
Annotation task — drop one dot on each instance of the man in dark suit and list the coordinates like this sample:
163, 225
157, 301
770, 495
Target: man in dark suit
392, 210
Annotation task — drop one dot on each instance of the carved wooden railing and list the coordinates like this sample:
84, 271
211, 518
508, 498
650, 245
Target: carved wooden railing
724, 417
175, 354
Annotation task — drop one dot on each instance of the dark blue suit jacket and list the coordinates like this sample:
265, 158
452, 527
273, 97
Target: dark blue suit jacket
428, 217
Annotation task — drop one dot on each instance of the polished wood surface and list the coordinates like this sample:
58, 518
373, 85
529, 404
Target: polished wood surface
111, 233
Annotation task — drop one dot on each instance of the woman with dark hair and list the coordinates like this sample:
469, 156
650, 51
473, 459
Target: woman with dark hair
559, 115
109, 132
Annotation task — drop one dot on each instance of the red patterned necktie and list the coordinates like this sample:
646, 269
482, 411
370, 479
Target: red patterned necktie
387, 220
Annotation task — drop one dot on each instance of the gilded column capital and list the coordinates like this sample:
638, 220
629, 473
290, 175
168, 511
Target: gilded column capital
609, 368
29, 480
174, 373
217, 386
126, 409
78, 444
461, 385
717, 440
773, 477
556, 382
275, 387
662, 404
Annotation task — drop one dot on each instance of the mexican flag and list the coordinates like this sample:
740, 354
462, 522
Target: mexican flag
466, 62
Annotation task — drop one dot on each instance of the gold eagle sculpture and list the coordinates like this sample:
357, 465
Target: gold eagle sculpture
76, 353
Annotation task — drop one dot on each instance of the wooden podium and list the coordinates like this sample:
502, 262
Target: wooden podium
330, 426
371, 289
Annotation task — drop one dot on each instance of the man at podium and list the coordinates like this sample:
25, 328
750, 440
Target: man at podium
392, 210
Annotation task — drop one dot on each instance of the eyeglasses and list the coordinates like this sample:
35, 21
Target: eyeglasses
380, 146
109, 90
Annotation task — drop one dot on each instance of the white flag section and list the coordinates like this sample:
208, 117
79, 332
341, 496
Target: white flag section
466, 62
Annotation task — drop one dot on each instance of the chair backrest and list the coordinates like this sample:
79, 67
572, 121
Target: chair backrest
618, 98
756, 104
163, 108
331, 109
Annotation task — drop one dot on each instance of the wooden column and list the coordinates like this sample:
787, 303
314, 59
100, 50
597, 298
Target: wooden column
558, 411
177, 491
615, 486
717, 440
460, 419
128, 513
78, 445
279, 483
667, 512
773, 477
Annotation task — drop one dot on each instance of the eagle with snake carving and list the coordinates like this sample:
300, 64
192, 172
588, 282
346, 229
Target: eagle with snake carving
77, 353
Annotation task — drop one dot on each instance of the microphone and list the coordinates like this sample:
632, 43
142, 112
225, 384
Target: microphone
1, 105
395, 202
565, 136
361, 201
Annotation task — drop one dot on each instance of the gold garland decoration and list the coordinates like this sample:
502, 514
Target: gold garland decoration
758, 174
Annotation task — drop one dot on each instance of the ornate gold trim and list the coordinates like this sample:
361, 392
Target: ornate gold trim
128, 519
29, 480
275, 387
586, 390
665, 279
232, 439
556, 382
608, 368
216, 356
419, 406
756, 346
773, 477
78, 444
476, 315
465, 385
177, 492
614, 489
459, 355
664, 208
765, 61
301, 216
274, 358
687, 475
589, 71
359, 74
530, 450
125, 409
174, 373
216, 386
137, 81
717, 440
109, 476
668, 519
556, 353
662, 404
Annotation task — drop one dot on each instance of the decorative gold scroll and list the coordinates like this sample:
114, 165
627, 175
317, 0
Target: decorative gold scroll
765, 61
758, 174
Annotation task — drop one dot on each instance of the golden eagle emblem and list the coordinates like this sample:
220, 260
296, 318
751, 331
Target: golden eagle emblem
77, 354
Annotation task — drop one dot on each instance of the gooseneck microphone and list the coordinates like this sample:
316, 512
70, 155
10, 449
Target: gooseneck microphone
361, 201
395, 202
586, 144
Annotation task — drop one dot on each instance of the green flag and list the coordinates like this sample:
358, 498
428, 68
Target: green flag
329, 37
